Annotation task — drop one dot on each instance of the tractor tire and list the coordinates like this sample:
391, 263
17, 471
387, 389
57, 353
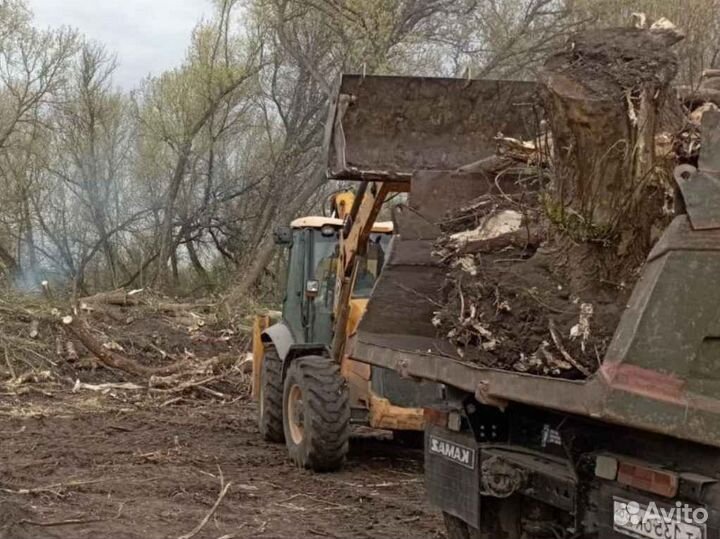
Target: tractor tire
500, 518
316, 414
270, 407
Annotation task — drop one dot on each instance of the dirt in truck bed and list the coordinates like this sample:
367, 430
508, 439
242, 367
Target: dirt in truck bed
537, 278
515, 301
87, 465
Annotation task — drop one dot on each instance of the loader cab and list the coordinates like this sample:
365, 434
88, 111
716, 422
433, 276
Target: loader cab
312, 272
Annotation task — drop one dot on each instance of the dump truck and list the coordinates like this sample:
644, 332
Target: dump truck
306, 398
631, 451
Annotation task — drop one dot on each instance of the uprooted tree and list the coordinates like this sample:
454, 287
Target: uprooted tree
540, 280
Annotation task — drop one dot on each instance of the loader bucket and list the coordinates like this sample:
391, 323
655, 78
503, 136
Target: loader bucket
421, 131
384, 128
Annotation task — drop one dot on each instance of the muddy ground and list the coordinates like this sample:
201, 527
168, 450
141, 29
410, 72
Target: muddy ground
89, 465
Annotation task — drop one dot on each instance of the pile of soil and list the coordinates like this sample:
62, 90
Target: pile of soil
513, 302
609, 60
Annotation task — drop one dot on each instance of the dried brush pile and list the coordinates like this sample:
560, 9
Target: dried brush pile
122, 341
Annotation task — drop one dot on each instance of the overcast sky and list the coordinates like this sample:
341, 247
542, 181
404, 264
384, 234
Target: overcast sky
149, 36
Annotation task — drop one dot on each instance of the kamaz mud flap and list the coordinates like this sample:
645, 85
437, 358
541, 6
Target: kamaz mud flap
452, 473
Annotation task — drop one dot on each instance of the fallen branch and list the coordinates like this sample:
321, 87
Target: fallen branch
525, 151
53, 487
112, 359
9, 364
128, 386
34, 329
70, 521
182, 387
123, 298
211, 392
119, 297
171, 308
31, 376
223, 491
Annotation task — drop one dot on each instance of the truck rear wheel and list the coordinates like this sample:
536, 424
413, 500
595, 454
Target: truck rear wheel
270, 400
316, 416
500, 518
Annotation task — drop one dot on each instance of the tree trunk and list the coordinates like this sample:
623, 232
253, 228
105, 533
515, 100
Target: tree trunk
8, 260
166, 227
195, 261
603, 97
263, 254
174, 266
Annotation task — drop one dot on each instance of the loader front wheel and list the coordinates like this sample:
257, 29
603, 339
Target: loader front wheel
316, 416
270, 400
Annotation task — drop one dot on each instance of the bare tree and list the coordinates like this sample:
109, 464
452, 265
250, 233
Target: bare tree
32, 65
181, 103
182, 181
91, 147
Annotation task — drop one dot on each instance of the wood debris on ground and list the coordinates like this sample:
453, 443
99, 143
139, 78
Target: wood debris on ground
123, 341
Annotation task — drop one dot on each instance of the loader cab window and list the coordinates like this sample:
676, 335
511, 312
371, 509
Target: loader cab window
326, 256
323, 269
313, 261
370, 265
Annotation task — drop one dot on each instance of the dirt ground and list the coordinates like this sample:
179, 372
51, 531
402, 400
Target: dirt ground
89, 465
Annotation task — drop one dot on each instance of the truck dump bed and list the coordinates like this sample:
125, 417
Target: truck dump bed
661, 372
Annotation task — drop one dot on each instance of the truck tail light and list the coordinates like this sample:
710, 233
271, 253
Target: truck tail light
648, 479
435, 417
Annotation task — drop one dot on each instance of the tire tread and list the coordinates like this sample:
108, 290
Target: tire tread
326, 396
271, 425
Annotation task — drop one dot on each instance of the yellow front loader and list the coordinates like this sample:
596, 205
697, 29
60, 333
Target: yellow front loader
384, 134
309, 391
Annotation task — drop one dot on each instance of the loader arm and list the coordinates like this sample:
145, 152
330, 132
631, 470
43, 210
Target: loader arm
354, 236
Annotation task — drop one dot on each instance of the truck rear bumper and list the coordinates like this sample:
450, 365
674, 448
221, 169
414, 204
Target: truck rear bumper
461, 474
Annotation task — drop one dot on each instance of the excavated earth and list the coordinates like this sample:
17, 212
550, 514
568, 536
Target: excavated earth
525, 303
521, 302
117, 466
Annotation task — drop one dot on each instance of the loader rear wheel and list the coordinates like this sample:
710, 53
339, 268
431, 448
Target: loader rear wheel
316, 414
270, 407
500, 518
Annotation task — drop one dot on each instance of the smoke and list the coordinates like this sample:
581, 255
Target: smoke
27, 281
